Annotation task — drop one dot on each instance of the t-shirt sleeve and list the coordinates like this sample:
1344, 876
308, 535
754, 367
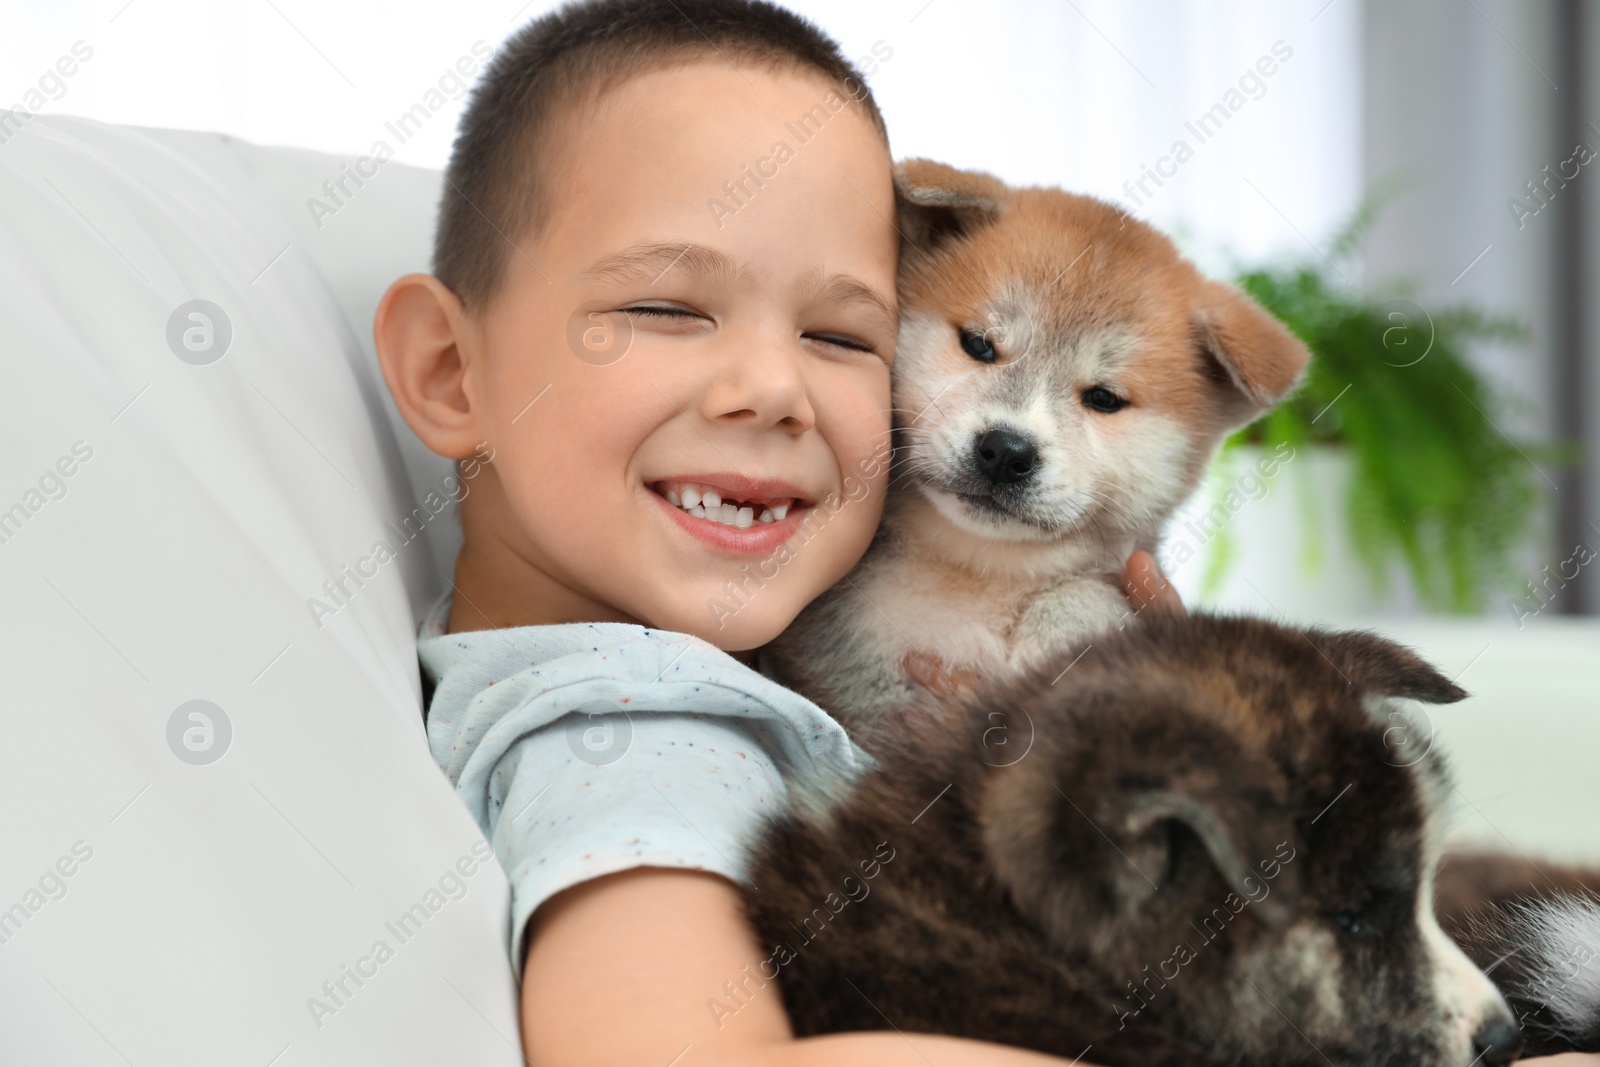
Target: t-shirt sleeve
649, 753
592, 794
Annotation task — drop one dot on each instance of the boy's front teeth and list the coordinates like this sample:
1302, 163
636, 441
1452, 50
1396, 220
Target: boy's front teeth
703, 502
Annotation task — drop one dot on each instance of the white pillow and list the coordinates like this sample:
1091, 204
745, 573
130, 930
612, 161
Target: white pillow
168, 511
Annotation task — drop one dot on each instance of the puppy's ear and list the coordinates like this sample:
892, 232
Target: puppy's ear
1384, 668
1246, 843
1252, 355
937, 202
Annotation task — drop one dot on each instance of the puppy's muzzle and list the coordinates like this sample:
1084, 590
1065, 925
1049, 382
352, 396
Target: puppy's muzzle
1005, 457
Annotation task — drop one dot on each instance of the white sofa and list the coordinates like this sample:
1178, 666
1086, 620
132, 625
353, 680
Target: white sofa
167, 510
178, 890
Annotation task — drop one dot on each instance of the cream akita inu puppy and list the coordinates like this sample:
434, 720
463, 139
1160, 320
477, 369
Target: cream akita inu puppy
1061, 380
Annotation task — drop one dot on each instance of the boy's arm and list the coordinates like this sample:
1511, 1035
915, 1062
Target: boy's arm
620, 971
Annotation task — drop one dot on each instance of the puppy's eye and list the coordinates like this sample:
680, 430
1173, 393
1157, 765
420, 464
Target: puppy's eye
1355, 926
1102, 399
977, 346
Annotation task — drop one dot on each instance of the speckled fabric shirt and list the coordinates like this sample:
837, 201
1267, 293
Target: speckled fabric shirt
587, 748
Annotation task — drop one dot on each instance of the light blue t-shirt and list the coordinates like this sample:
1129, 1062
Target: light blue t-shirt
583, 749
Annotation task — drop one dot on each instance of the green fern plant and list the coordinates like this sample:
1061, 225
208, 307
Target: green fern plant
1435, 485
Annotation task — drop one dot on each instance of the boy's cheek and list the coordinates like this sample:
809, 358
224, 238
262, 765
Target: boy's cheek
858, 510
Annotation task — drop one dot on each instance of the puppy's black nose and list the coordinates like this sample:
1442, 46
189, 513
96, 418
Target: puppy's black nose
1005, 456
1497, 1042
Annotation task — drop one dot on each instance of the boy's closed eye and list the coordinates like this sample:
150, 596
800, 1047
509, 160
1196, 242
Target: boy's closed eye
667, 312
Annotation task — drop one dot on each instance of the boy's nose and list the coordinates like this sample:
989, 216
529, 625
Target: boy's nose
762, 383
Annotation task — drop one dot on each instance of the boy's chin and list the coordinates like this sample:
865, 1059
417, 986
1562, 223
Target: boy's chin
732, 624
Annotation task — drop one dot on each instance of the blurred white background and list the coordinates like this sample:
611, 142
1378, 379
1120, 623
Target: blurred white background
1082, 94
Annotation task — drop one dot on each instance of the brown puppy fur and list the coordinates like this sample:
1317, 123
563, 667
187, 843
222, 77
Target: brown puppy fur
1205, 843
1061, 381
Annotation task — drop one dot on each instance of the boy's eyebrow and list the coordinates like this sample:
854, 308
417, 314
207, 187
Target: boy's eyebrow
652, 259
846, 289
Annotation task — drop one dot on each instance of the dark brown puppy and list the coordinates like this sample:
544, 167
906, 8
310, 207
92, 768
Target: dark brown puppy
1212, 840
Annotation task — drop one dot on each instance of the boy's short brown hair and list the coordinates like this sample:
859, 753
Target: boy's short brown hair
494, 191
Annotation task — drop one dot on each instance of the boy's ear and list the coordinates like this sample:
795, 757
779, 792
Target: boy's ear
937, 202
415, 330
1253, 355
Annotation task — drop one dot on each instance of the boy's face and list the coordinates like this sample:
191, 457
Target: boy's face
753, 360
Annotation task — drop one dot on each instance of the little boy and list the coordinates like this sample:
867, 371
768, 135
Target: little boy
661, 322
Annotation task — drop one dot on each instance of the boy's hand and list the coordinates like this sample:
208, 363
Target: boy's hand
932, 674
1146, 587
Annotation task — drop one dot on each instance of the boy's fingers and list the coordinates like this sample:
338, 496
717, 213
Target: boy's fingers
933, 675
922, 670
1146, 587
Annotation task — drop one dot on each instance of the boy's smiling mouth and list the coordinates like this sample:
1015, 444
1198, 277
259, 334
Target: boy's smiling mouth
731, 506
732, 511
